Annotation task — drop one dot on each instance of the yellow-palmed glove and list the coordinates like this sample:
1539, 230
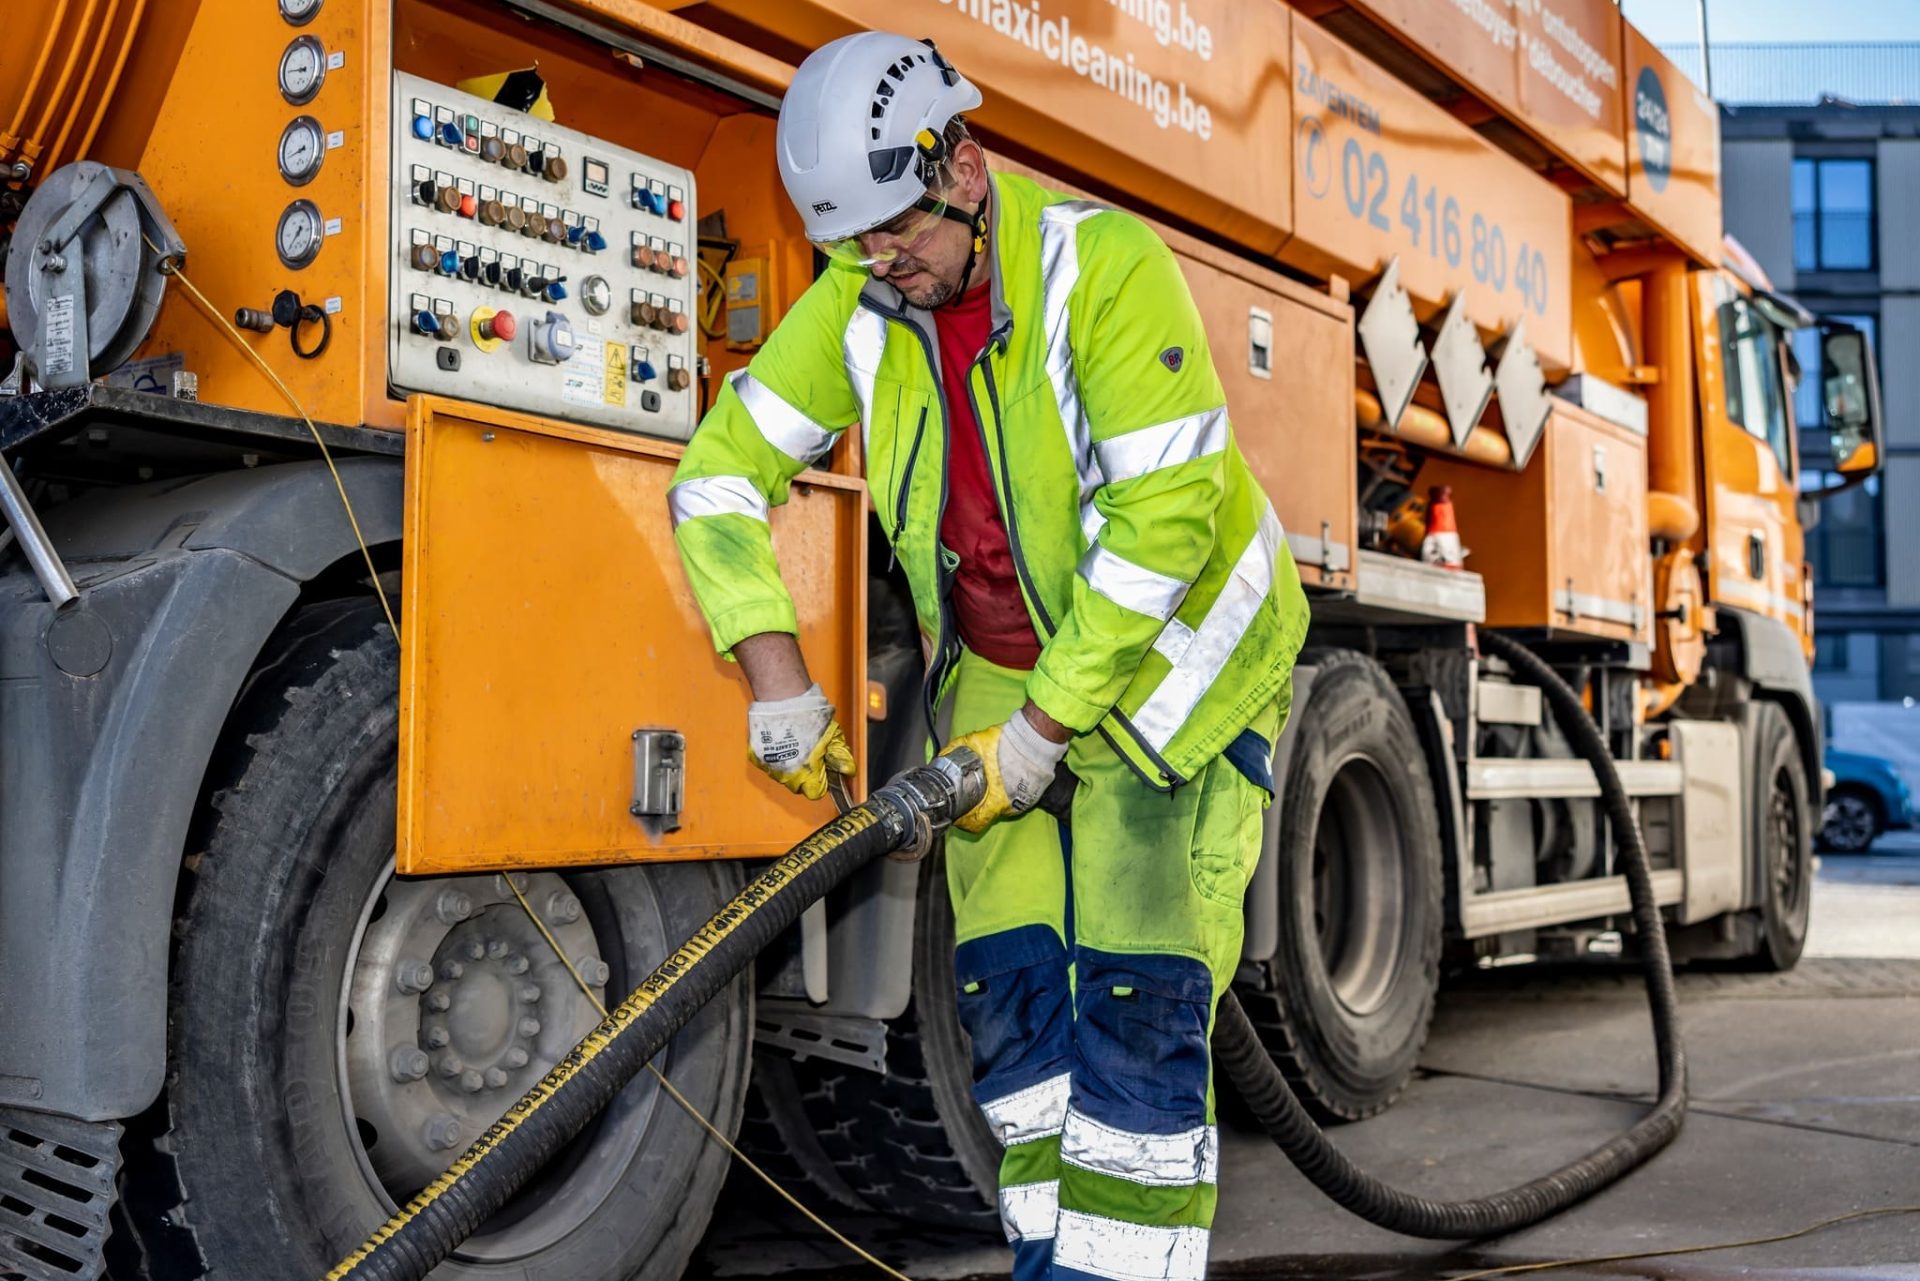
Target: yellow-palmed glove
797, 742
1020, 762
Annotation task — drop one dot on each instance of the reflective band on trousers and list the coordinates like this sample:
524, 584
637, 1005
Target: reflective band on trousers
1134, 454
785, 428
1059, 272
860, 350
1131, 586
1205, 654
1165, 1160
1129, 1251
1032, 1113
715, 496
1028, 1210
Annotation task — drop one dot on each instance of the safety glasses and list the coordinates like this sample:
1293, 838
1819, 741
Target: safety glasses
904, 233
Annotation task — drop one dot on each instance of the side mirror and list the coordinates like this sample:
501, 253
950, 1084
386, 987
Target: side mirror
1850, 385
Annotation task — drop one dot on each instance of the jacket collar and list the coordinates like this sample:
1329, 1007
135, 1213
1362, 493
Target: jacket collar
889, 302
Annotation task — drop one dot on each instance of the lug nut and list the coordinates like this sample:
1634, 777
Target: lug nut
436, 1037
476, 950
530, 992
504, 883
471, 1081
441, 1133
451, 969
496, 1078
515, 1058
413, 977
407, 1063
451, 1066
563, 907
516, 965
496, 949
529, 1027
453, 906
596, 973
438, 1002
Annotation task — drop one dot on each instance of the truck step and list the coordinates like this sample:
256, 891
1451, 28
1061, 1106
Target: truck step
56, 1187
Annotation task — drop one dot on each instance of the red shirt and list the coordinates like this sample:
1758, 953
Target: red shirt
987, 605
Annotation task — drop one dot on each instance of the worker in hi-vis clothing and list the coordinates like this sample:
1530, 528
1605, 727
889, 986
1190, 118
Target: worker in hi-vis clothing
1098, 579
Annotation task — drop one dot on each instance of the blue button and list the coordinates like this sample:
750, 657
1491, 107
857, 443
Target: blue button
643, 371
423, 128
556, 291
426, 322
449, 262
574, 234
595, 242
451, 134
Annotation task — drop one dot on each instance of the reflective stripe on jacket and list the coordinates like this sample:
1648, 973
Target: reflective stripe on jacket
1156, 573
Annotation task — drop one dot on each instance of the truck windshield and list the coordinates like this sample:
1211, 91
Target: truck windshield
1756, 395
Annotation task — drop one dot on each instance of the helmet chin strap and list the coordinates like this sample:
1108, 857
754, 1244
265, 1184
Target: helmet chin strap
976, 222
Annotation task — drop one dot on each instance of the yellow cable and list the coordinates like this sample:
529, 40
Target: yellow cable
172, 268
687, 1103
1517, 1268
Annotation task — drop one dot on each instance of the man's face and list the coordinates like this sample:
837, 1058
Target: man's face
927, 269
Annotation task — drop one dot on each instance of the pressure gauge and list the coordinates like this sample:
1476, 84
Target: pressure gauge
303, 145
299, 13
596, 295
299, 234
302, 68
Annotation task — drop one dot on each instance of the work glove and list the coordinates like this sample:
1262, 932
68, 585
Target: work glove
1020, 762
797, 742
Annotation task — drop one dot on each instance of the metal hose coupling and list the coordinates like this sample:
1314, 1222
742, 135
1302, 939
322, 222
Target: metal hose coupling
919, 802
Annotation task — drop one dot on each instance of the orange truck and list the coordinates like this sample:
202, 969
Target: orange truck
273, 879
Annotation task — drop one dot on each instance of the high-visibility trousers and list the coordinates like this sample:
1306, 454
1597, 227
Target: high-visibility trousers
1090, 953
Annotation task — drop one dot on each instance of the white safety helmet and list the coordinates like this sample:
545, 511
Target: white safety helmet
861, 143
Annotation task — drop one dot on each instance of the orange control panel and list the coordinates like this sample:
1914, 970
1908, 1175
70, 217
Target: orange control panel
539, 268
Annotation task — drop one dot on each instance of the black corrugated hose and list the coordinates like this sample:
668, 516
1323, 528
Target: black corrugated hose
431, 1226
1237, 1048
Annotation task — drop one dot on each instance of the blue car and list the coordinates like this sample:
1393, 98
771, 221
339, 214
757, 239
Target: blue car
1868, 797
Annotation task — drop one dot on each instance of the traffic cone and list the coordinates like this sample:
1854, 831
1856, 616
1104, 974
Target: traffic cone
1441, 546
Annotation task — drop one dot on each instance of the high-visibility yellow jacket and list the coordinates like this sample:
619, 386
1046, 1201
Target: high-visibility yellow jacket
1153, 567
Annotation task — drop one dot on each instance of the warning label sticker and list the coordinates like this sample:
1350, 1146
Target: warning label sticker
584, 377
616, 375
58, 318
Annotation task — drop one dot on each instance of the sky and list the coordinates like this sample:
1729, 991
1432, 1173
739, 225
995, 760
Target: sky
1776, 21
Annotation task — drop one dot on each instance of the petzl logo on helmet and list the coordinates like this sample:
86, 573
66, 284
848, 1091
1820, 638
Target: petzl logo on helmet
1654, 128
824, 206
1173, 358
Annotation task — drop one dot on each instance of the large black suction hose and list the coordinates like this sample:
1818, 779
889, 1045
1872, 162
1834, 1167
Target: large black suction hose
902, 814
1237, 1048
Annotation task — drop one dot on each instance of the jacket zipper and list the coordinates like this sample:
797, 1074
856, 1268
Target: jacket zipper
1004, 491
937, 665
905, 487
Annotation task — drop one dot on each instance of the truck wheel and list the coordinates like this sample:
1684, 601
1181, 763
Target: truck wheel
1783, 834
910, 1143
1347, 997
339, 1034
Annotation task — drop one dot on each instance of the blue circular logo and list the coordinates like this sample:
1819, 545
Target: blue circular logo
1654, 127
1315, 168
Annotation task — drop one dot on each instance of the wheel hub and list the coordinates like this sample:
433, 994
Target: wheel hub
456, 1005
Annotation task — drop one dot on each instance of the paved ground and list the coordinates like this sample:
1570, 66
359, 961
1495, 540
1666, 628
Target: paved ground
1805, 1104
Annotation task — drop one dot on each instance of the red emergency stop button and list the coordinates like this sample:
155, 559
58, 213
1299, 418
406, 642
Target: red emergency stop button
499, 325
467, 206
676, 209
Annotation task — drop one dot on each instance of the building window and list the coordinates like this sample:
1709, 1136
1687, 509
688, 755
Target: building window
1830, 652
1845, 546
1832, 215
1809, 405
